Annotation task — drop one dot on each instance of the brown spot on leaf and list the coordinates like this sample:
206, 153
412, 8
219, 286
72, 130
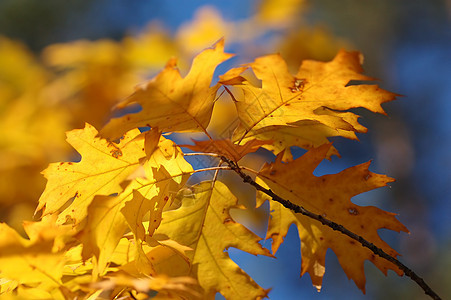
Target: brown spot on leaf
116, 153
227, 220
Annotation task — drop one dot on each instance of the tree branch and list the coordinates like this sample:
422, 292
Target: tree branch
299, 209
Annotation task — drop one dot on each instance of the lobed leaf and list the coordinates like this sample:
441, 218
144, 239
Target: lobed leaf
71, 187
329, 196
110, 216
203, 223
318, 94
173, 103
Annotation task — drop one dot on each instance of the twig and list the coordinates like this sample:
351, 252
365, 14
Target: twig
201, 153
211, 169
299, 209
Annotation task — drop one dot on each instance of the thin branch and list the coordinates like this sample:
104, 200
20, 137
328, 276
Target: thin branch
201, 153
249, 169
299, 209
211, 169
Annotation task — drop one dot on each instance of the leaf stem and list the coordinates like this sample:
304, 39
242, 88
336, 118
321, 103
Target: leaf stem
299, 209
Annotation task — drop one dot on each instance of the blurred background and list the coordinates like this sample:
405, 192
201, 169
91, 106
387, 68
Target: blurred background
63, 63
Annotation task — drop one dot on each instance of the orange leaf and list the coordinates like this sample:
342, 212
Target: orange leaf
329, 196
227, 148
318, 95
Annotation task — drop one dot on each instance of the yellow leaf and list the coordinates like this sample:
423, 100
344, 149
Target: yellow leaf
203, 223
47, 229
318, 94
135, 209
329, 196
7, 285
103, 167
104, 228
166, 171
173, 103
166, 154
29, 262
157, 256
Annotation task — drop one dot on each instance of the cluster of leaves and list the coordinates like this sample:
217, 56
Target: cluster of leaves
122, 222
68, 84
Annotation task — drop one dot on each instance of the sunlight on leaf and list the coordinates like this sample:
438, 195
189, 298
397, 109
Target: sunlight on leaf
197, 224
103, 167
329, 196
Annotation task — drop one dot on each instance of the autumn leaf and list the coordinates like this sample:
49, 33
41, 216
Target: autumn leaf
109, 216
30, 262
226, 148
104, 165
318, 94
329, 196
158, 255
203, 223
104, 228
173, 103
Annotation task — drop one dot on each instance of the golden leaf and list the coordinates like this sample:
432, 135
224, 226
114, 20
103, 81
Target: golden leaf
203, 223
318, 94
109, 216
104, 165
173, 103
30, 262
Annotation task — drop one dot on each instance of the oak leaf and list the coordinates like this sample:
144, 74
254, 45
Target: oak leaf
166, 171
104, 165
329, 196
318, 94
173, 103
203, 223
